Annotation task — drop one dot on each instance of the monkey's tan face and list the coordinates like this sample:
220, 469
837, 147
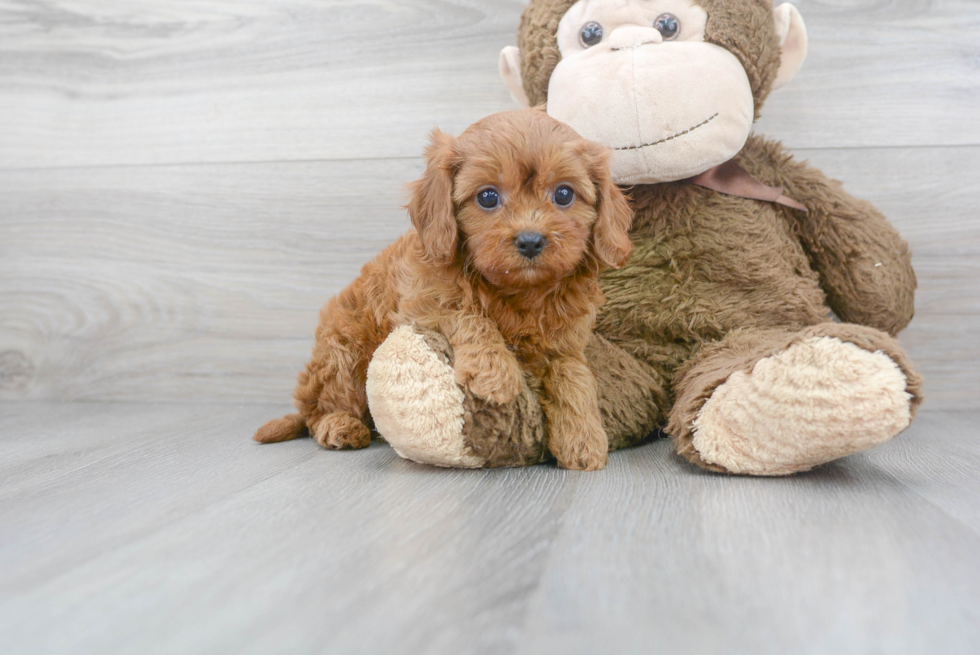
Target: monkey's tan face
638, 77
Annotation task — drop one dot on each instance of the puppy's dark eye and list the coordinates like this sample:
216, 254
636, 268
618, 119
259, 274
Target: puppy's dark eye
591, 34
668, 26
488, 198
564, 196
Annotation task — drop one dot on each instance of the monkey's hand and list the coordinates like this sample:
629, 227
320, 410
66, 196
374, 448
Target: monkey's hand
865, 267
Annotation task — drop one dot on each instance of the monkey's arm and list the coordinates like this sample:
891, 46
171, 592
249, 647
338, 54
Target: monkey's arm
865, 267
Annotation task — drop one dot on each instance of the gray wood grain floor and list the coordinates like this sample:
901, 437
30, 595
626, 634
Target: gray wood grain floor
162, 529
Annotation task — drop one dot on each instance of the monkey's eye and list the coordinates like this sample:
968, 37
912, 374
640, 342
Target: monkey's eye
668, 26
488, 198
591, 34
564, 195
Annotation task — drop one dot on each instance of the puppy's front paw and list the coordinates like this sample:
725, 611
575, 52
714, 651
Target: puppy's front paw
582, 452
494, 376
584, 461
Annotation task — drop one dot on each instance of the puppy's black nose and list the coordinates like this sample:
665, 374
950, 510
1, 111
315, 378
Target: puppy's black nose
529, 244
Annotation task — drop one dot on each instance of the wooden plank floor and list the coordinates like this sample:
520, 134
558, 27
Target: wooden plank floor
163, 529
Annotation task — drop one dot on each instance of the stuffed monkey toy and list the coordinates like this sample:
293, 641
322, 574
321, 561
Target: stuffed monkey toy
720, 330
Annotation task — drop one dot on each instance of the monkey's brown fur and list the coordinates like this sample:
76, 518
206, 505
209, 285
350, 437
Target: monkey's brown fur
718, 282
459, 273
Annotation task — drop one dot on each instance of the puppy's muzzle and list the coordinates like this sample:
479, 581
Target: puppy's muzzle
529, 244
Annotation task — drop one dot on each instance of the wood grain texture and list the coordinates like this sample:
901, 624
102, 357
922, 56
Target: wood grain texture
181, 282
203, 282
882, 73
86, 82
162, 529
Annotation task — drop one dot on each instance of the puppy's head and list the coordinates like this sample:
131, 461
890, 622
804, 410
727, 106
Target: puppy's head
521, 198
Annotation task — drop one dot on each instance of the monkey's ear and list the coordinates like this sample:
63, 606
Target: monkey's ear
510, 70
792, 39
610, 234
431, 205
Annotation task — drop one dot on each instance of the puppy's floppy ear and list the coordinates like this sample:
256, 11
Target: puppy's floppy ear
610, 234
431, 205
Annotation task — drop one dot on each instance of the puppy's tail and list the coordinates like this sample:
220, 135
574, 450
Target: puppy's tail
281, 429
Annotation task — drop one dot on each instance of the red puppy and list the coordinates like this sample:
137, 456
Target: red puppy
513, 221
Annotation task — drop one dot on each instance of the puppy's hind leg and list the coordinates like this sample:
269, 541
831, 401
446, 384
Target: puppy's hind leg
340, 431
331, 397
331, 394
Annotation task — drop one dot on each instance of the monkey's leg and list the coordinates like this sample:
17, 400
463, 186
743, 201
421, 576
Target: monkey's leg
776, 402
632, 400
427, 417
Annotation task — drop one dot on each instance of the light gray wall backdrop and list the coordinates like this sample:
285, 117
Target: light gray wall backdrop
183, 184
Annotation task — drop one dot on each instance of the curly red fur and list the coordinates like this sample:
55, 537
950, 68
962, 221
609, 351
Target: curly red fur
459, 272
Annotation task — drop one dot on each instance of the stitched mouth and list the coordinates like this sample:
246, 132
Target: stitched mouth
671, 137
632, 47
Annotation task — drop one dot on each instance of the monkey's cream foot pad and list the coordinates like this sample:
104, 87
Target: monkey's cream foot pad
415, 401
815, 402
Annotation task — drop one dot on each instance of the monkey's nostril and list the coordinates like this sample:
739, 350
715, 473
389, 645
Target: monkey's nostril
529, 244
